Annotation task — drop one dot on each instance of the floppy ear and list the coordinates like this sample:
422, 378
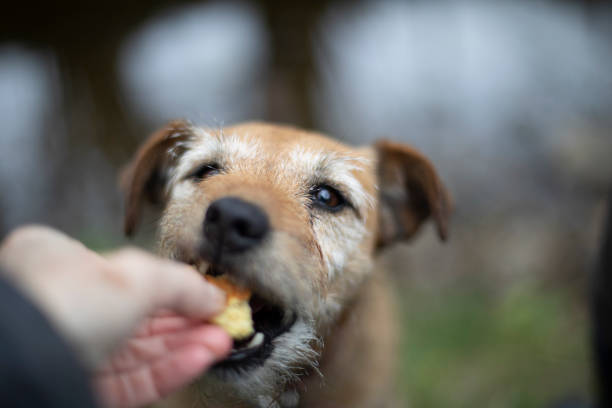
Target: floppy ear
410, 192
145, 177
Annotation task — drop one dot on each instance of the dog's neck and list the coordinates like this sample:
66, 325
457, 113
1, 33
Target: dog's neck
361, 340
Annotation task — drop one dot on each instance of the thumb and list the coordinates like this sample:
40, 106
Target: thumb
161, 283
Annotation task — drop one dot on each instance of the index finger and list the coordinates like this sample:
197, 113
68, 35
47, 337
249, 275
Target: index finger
164, 284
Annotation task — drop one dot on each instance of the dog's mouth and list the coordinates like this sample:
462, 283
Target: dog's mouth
270, 320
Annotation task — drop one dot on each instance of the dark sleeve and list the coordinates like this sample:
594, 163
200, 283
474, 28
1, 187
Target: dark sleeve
37, 368
601, 311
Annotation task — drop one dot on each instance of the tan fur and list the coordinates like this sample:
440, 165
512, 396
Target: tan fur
341, 349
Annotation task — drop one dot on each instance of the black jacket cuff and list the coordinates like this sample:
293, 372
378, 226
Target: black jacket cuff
37, 367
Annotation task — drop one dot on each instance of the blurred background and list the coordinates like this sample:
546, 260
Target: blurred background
512, 101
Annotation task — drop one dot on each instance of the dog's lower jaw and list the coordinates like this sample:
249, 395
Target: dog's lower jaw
356, 365
358, 361
293, 357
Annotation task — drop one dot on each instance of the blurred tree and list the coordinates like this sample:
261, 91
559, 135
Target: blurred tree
86, 38
292, 28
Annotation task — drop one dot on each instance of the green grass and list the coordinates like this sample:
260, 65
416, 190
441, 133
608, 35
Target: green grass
468, 348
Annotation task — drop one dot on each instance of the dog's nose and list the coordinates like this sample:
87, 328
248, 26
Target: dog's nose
234, 225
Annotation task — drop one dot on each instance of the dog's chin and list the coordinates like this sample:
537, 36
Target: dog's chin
271, 321
291, 358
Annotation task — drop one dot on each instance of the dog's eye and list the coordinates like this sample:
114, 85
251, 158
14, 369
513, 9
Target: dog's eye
327, 198
204, 171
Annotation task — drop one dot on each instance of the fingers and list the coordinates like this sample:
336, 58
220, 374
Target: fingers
167, 284
157, 283
154, 326
149, 383
179, 369
142, 351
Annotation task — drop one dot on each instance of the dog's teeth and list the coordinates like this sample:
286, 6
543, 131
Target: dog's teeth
256, 341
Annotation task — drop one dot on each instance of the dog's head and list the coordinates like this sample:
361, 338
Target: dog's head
292, 215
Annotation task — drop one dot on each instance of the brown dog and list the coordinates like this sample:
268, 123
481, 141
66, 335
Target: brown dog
298, 219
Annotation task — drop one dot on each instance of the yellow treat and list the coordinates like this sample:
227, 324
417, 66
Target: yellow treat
236, 319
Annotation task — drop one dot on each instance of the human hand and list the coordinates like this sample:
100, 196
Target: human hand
96, 302
164, 354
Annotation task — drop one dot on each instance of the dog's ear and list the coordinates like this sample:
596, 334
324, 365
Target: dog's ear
144, 178
410, 192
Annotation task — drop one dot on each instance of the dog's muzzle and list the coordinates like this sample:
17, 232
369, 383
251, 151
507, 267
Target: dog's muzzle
232, 228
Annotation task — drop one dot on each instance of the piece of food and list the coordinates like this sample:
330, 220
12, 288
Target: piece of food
236, 319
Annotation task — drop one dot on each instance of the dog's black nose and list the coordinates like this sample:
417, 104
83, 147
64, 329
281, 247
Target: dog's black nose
234, 225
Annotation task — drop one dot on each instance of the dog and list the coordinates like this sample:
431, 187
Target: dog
299, 219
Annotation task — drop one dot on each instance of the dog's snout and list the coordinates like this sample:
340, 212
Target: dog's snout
234, 225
